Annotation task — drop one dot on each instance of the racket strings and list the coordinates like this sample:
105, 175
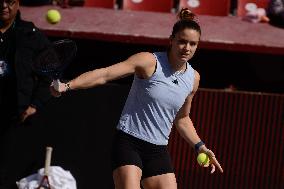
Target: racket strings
47, 61
53, 60
44, 183
66, 51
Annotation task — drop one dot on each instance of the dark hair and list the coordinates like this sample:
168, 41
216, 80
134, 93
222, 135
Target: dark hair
186, 20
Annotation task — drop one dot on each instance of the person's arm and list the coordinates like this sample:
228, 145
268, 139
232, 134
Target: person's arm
28, 112
142, 64
187, 130
33, 90
183, 122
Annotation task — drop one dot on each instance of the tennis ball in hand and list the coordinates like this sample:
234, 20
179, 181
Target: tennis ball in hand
53, 16
202, 159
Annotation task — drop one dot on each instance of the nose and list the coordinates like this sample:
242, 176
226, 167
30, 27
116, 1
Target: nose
187, 47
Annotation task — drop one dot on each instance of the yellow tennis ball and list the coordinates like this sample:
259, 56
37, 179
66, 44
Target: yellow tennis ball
202, 159
53, 16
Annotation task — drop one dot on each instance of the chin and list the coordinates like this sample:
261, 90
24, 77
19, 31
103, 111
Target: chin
184, 60
4, 17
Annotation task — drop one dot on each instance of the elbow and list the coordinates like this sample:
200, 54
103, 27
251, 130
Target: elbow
105, 76
182, 123
180, 120
101, 81
179, 125
181, 129
100, 77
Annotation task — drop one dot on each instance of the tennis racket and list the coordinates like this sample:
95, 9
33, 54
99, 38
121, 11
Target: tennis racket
53, 60
44, 183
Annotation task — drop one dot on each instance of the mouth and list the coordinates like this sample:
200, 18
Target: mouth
185, 55
4, 13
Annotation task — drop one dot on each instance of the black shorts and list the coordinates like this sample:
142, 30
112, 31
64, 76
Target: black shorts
150, 158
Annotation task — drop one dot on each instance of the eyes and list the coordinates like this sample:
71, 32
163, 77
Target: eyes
10, 3
186, 42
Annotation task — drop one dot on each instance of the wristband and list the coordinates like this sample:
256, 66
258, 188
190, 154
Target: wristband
67, 85
197, 145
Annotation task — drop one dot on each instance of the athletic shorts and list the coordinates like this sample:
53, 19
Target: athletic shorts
150, 158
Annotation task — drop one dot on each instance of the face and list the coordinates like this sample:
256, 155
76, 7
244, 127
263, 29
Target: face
184, 45
8, 10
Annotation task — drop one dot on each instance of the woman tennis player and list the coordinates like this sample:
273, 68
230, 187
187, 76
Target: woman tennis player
160, 97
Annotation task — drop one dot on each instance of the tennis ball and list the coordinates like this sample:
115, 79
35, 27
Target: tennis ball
53, 16
202, 159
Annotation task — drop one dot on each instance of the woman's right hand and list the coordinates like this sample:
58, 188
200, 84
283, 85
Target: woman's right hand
57, 87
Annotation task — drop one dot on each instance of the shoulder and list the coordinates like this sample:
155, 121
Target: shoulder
146, 56
27, 34
196, 81
25, 26
26, 30
193, 74
144, 63
142, 59
196, 76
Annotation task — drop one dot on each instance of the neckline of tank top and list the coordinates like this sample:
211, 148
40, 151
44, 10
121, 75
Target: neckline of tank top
180, 72
177, 72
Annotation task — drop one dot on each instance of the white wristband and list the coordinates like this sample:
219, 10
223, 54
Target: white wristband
67, 85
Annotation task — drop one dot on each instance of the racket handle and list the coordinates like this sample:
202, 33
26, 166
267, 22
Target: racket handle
55, 84
47, 160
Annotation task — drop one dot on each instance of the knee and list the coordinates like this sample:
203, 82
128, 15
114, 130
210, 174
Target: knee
165, 181
127, 177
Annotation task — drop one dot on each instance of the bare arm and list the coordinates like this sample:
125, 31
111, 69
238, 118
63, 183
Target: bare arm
183, 122
187, 130
142, 64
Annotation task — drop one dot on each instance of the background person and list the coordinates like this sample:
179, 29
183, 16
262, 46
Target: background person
22, 92
275, 12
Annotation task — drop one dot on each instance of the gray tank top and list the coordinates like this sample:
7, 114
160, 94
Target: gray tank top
153, 103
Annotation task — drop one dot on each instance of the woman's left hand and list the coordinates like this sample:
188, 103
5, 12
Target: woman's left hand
27, 113
212, 159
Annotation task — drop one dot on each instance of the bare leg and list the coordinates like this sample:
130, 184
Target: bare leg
127, 177
164, 181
